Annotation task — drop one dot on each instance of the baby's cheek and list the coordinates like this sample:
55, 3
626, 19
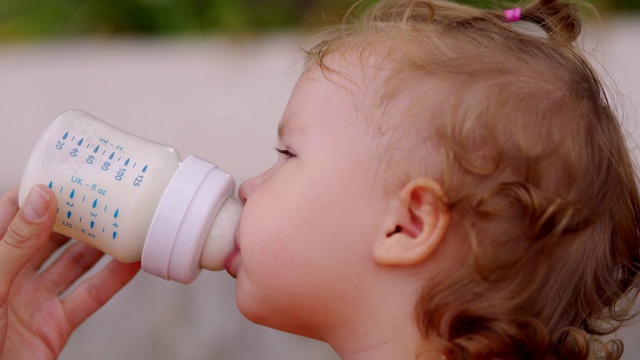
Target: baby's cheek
258, 237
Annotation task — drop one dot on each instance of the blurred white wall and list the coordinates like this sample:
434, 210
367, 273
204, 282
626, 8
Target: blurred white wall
217, 98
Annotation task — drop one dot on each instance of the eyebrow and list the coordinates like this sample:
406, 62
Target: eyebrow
287, 127
283, 128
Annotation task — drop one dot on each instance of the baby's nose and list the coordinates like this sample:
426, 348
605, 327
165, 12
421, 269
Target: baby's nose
248, 186
245, 189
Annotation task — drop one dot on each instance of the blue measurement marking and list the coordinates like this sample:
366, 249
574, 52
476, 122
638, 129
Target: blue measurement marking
64, 137
50, 184
73, 138
144, 169
80, 219
83, 197
114, 235
105, 208
73, 193
126, 163
80, 142
103, 229
119, 158
61, 187
115, 214
111, 156
104, 152
68, 214
95, 151
95, 203
92, 224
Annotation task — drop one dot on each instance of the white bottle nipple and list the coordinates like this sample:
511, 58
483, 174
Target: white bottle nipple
184, 219
220, 241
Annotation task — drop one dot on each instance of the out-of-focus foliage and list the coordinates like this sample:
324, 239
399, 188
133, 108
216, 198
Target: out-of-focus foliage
633, 5
47, 18
21, 19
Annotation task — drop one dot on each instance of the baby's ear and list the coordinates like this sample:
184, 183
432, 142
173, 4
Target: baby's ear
416, 224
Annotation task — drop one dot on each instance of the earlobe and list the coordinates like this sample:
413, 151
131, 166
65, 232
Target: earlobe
417, 224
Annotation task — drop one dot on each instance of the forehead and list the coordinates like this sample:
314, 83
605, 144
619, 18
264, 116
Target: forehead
344, 94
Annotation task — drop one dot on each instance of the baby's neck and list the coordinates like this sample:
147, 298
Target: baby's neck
391, 349
399, 345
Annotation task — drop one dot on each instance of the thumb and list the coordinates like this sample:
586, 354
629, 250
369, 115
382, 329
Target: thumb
26, 234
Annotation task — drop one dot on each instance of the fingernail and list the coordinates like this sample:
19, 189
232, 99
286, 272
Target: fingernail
36, 204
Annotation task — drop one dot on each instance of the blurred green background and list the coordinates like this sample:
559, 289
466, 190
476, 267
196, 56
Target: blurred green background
37, 19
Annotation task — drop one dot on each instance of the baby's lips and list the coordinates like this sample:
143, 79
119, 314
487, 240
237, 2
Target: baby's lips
229, 262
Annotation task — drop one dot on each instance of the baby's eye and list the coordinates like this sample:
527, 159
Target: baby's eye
285, 154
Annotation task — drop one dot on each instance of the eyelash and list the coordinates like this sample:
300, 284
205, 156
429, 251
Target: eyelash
285, 154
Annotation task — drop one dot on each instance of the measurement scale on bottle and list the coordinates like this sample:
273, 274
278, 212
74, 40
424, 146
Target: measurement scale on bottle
92, 169
84, 200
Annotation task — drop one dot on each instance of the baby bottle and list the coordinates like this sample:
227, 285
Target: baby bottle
135, 199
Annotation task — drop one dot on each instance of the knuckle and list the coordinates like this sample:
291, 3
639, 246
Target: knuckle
93, 294
17, 236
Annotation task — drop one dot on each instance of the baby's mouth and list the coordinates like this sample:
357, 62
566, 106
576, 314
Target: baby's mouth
228, 262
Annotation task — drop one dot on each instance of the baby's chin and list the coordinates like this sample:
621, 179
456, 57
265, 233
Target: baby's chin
257, 313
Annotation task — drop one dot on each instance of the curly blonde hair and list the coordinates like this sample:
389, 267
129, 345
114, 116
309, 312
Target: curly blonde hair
533, 160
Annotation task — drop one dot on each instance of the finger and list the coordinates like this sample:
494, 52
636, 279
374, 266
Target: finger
8, 209
55, 242
95, 291
69, 266
25, 235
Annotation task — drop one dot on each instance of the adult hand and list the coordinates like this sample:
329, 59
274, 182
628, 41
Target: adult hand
35, 322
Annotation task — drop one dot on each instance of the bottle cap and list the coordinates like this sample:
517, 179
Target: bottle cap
186, 212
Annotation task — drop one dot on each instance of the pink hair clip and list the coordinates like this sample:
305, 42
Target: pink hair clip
512, 15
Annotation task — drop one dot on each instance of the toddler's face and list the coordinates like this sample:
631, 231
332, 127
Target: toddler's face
309, 221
